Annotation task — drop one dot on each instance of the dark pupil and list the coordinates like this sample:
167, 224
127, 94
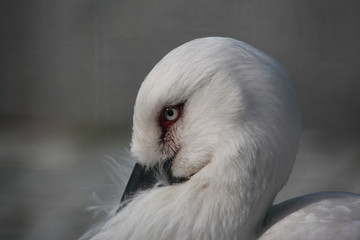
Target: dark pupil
169, 112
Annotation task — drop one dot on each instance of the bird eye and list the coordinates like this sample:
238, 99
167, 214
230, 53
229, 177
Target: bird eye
171, 113
168, 116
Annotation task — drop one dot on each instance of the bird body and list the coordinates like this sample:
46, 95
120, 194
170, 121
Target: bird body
219, 123
321, 216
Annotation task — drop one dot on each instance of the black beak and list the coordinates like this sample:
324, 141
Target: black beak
143, 178
140, 179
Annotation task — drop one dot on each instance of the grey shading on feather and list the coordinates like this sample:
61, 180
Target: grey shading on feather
317, 216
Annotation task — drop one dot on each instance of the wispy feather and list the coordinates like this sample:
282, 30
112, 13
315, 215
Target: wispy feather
107, 198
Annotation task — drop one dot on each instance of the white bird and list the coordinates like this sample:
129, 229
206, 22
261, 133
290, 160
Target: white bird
216, 129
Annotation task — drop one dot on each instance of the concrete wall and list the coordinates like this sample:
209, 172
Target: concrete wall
84, 60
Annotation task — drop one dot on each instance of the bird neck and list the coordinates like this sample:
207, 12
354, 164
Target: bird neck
237, 203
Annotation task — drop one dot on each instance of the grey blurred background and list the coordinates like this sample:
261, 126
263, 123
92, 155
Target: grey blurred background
70, 71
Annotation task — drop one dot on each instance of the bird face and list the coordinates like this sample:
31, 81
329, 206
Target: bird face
194, 105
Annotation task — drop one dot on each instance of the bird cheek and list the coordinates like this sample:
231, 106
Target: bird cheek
145, 151
170, 144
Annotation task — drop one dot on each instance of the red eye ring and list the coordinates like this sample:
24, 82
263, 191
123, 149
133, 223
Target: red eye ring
169, 115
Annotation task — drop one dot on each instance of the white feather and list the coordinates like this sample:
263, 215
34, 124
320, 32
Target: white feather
320, 216
236, 140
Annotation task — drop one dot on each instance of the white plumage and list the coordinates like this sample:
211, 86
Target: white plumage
235, 142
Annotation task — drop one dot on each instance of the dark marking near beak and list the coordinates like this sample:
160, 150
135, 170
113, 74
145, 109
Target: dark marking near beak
143, 178
140, 179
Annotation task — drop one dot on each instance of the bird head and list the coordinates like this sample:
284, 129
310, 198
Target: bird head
210, 107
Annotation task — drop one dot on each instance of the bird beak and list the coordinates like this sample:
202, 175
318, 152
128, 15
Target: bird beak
143, 178
140, 179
